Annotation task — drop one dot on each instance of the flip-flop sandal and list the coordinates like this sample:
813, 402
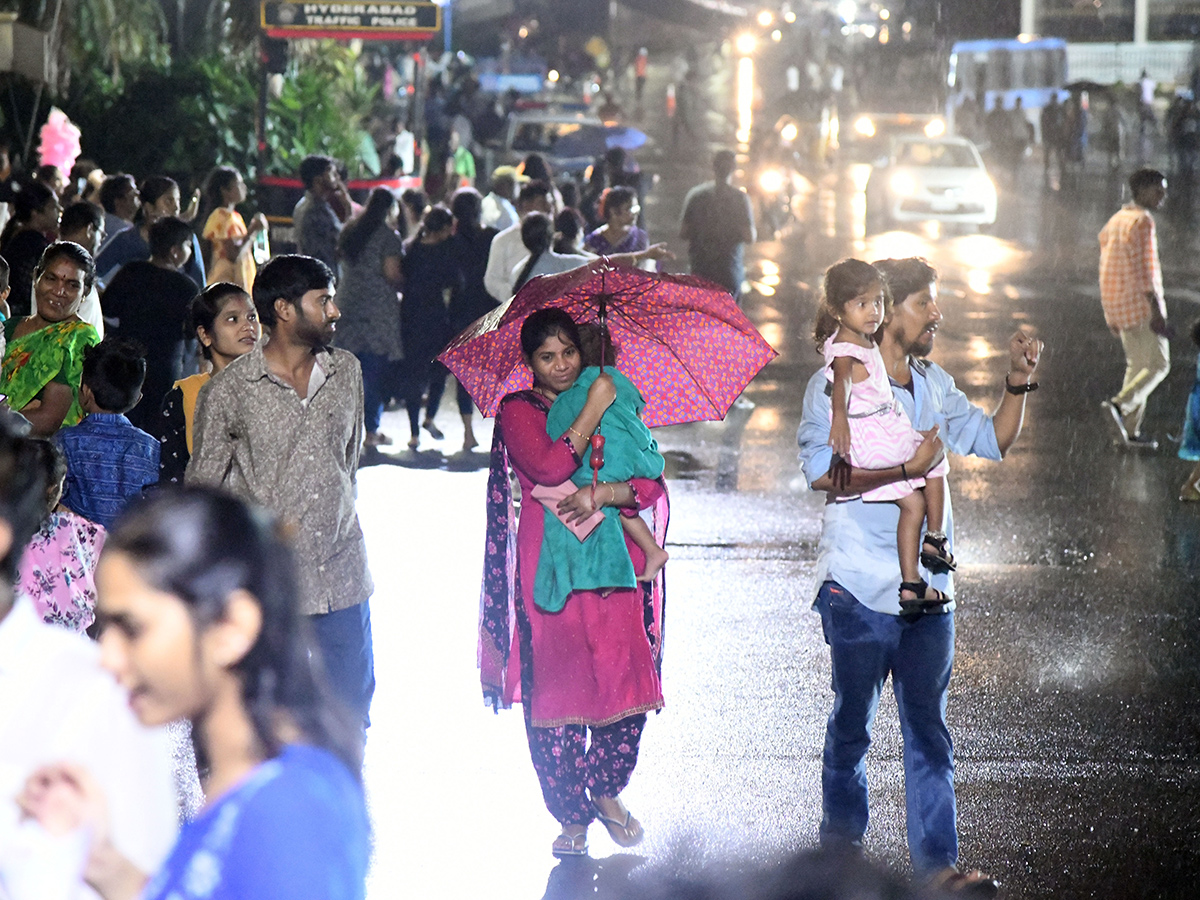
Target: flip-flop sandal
618, 830
567, 846
434, 431
942, 560
974, 884
920, 603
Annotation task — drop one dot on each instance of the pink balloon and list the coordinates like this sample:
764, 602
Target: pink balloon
59, 145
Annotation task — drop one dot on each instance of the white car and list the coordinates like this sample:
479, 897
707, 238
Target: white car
925, 178
541, 131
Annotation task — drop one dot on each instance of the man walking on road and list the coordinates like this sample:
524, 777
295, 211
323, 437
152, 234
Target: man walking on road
282, 427
858, 574
1131, 291
717, 223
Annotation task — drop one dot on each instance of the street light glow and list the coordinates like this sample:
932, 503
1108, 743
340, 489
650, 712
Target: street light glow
848, 11
777, 35
765, 18
552, 76
746, 43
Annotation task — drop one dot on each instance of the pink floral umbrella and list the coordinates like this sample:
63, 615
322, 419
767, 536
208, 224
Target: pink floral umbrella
682, 340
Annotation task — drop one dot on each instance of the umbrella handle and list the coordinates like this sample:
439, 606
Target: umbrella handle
597, 461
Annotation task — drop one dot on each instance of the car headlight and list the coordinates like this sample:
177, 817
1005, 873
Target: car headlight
789, 132
771, 181
904, 184
935, 128
745, 43
864, 126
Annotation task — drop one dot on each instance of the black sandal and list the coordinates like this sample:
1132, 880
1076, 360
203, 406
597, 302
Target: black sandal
942, 560
920, 603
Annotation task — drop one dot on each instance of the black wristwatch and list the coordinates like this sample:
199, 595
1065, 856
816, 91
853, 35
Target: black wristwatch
1019, 389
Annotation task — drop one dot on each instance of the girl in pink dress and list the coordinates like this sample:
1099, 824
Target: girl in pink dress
869, 429
59, 564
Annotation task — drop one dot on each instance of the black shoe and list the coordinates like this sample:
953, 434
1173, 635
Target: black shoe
1141, 442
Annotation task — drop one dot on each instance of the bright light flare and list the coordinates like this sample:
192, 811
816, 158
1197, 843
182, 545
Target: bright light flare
745, 43
771, 181
789, 17
777, 35
980, 281
847, 11
766, 18
935, 128
552, 76
789, 132
864, 126
904, 184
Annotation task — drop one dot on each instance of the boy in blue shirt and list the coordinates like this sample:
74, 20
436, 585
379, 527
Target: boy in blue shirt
109, 460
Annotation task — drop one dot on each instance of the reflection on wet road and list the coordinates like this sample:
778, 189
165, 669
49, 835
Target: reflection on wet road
1073, 706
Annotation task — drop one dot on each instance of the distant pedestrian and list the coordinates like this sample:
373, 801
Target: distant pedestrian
1052, 124
199, 619
232, 242
472, 244
717, 223
314, 221
507, 248
1189, 447
1131, 291
498, 211
431, 274
641, 65
34, 224
368, 296
160, 200
282, 426
619, 209
120, 198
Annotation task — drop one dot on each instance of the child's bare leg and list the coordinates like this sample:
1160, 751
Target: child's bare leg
639, 533
935, 550
908, 539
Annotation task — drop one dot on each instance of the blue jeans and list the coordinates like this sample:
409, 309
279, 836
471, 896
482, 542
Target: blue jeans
918, 652
378, 374
344, 638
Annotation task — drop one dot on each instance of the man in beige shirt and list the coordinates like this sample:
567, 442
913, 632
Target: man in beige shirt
282, 427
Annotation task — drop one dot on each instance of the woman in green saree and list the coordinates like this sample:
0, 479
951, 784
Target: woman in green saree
43, 358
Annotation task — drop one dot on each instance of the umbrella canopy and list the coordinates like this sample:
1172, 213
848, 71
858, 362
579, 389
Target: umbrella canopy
594, 140
682, 340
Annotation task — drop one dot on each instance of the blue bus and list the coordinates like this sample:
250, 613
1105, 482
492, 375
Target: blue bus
991, 72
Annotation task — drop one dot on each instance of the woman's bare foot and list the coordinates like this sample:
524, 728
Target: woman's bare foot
655, 560
572, 842
622, 827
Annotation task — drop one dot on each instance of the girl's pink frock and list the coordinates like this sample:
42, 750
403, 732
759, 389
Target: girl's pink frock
881, 436
597, 660
58, 569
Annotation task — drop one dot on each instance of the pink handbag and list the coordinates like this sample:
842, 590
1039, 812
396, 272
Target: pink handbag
549, 497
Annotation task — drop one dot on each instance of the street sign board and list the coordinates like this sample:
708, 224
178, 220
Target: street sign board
371, 20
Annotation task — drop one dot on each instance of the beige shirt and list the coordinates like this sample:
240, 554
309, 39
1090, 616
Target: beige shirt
297, 456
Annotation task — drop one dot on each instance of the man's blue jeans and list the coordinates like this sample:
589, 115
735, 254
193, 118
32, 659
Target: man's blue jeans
918, 652
344, 639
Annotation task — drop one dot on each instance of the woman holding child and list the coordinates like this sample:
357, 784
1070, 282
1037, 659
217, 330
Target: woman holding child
592, 665
43, 358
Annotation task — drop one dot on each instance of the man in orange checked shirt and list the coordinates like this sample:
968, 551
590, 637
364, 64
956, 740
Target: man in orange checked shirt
1131, 292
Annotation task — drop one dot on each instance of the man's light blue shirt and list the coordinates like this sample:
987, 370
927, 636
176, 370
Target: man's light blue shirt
858, 541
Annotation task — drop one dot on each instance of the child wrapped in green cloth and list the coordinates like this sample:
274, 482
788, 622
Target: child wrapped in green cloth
601, 561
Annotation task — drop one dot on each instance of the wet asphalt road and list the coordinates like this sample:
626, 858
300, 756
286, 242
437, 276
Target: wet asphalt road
1074, 702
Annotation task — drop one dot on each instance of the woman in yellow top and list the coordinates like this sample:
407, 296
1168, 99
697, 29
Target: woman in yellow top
232, 242
226, 324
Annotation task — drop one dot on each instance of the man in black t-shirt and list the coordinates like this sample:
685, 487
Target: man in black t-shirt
148, 302
717, 223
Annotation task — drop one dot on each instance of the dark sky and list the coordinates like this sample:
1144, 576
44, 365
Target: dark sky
977, 18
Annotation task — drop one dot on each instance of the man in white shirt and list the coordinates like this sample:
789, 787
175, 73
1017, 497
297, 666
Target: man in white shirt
498, 211
507, 247
58, 705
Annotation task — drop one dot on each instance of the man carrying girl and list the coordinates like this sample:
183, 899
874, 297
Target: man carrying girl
858, 574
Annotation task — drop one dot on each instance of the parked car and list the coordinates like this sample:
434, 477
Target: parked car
541, 132
921, 178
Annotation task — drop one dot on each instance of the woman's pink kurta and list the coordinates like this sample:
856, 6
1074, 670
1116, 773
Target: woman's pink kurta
592, 663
